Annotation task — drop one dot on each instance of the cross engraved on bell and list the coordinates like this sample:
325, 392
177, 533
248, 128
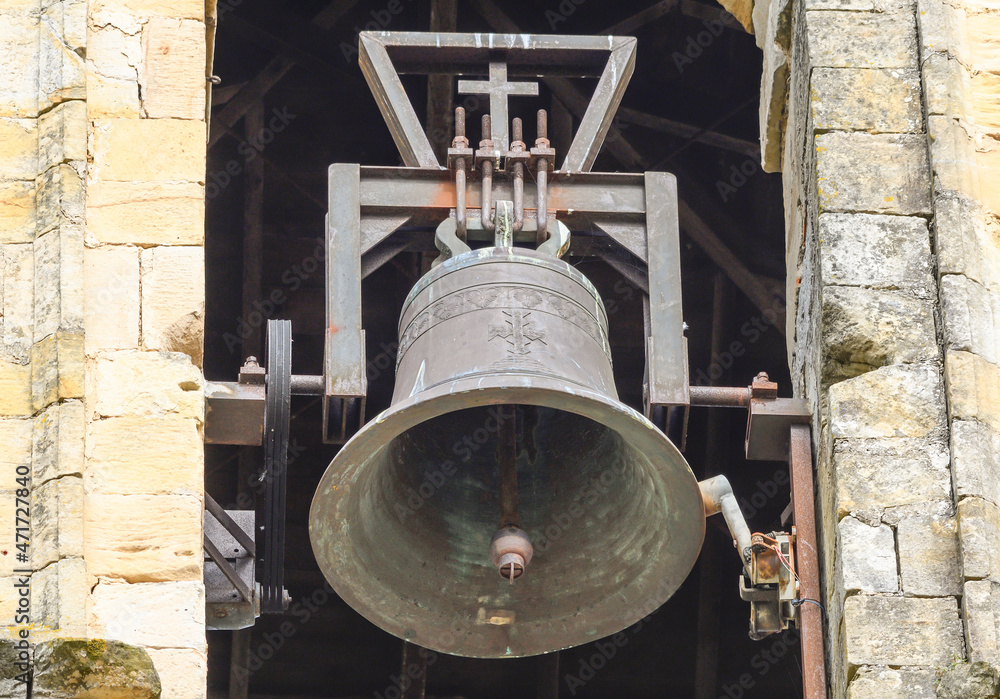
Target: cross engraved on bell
517, 333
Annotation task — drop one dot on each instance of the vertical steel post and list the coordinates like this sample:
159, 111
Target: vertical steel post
810, 614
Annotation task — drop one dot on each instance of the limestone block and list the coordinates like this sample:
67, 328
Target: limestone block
889, 6
56, 521
902, 631
17, 215
144, 538
148, 149
167, 460
772, 111
172, 74
108, 98
60, 67
19, 57
15, 664
134, 384
8, 510
867, 557
183, 672
928, 556
873, 173
71, 364
969, 681
975, 448
19, 137
158, 615
112, 75
983, 41
854, 40
15, 436
114, 11
173, 300
62, 134
979, 533
981, 609
885, 100
983, 105
146, 213
111, 298
882, 252
44, 372
888, 683
943, 83
893, 401
967, 310
58, 281
973, 385
8, 600
964, 241
865, 329
58, 599
60, 196
15, 389
72, 668
18, 297
57, 442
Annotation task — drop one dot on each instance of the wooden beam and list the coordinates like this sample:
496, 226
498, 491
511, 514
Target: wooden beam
689, 8
694, 133
440, 87
691, 222
271, 74
239, 660
253, 233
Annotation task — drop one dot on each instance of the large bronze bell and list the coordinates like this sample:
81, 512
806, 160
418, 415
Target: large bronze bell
594, 522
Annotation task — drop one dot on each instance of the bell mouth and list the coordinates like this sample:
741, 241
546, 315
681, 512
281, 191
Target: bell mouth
402, 520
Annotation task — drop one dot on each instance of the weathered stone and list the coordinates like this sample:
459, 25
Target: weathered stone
929, 556
15, 389
19, 59
60, 67
887, 683
134, 383
74, 668
20, 154
18, 299
973, 388
58, 277
902, 400
183, 672
17, 215
173, 300
58, 596
975, 448
57, 442
167, 460
59, 197
158, 615
108, 98
964, 243
885, 100
864, 329
146, 213
121, 150
171, 76
144, 538
969, 681
15, 436
15, 666
968, 315
867, 557
902, 631
56, 521
62, 134
71, 370
44, 372
111, 298
873, 173
114, 54
979, 532
854, 40
114, 11
981, 609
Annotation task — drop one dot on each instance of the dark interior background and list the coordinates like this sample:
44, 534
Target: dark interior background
695, 66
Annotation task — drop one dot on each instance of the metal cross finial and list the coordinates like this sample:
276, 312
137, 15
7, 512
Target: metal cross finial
499, 90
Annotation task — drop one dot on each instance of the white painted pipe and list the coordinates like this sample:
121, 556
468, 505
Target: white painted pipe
717, 495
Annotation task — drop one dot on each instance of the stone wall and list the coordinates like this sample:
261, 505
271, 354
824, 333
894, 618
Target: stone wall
102, 162
883, 117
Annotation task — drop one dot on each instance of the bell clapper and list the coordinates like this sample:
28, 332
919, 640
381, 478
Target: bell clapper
510, 548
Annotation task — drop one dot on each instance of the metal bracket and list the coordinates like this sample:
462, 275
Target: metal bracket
231, 595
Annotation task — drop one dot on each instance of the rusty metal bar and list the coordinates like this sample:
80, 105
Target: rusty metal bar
720, 396
231, 575
810, 614
308, 385
230, 525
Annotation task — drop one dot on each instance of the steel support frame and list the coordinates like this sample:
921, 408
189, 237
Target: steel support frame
369, 204
780, 429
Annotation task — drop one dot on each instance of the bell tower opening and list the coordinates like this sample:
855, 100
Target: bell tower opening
292, 101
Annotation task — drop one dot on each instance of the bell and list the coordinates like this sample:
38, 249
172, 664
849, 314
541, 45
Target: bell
506, 504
